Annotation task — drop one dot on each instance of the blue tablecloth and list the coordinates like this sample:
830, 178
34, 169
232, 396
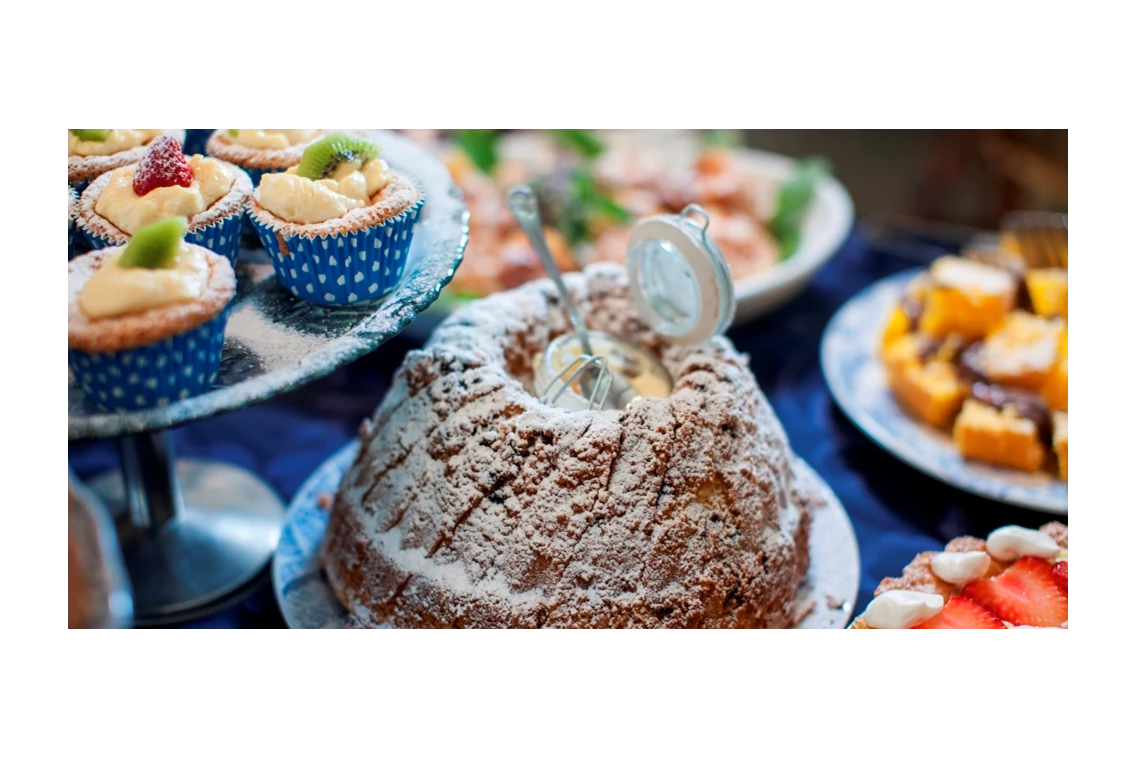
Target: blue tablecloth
896, 510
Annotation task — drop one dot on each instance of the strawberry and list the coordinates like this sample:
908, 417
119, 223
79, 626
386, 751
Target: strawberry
1060, 575
163, 165
961, 613
1025, 594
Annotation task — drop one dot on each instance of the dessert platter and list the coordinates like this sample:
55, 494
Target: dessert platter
580, 451
961, 370
776, 220
221, 280
1015, 579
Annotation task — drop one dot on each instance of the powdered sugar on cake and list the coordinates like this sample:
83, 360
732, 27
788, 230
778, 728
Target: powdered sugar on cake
473, 504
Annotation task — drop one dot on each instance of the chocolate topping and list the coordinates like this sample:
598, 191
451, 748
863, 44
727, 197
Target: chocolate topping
929, 346
913, 309
970, 362
1029, 405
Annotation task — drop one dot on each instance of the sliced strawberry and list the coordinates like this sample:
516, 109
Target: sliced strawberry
1024, 594
1060, 575
163, 165
961, 613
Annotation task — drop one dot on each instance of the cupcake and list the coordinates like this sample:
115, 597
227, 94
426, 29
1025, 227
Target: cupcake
72, 214
196, 139
91, 152
261, 151
337, 226
146, 322
164, 183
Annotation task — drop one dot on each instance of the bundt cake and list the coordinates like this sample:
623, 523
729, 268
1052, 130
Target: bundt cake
472, 504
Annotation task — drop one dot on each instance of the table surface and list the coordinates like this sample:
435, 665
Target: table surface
896, 511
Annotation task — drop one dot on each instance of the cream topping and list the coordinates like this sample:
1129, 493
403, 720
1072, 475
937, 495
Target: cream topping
272, 139
1010, 543
961, 568
117, 141
304, 201
114, 290
902, 609
212, 180
971, 277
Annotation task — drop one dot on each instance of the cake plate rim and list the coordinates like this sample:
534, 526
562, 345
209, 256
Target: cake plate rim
306, 600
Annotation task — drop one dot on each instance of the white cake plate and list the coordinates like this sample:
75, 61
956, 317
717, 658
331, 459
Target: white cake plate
824, 601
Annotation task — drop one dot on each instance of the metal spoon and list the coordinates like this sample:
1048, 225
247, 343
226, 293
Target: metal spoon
523, 205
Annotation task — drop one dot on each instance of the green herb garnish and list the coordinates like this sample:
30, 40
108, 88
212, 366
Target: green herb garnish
579, 140
720, 138
585, 203
480, 146
793, 202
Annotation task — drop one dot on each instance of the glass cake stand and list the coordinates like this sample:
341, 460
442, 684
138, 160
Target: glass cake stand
194, 533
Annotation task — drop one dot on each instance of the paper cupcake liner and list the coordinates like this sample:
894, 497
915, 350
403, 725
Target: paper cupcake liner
195, 141
342, 269
222, 236
153, 375
73, 238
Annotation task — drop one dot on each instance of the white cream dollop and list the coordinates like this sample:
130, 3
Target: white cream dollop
304, 201
902, 609
961, 568
272, 139
1010, 543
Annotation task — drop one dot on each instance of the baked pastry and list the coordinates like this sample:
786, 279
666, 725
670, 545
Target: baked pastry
1015, 578
72, 215
337, 226
473, 504
164, 183
981, 349
146, 322
261, 151
93, 152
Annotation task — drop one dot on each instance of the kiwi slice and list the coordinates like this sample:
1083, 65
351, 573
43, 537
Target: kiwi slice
233, 132
156, 245
323, 157
91, 135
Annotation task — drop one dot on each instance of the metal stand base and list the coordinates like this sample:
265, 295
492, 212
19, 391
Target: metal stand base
193, 534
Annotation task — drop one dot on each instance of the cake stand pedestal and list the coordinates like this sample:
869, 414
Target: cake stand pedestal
191, 532
195, 533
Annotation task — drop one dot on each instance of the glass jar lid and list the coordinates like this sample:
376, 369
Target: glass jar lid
678, 278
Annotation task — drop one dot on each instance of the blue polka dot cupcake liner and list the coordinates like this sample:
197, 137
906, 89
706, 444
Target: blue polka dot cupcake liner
73, 233
195, 141
342, 269
223, 236
153, 376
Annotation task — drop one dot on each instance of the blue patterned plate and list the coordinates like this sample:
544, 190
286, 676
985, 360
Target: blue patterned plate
824, 601
856, 378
